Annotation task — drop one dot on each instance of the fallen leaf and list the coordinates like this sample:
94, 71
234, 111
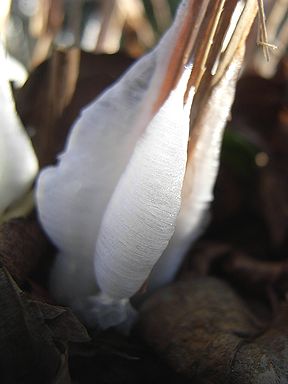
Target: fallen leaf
34, 337
203, 329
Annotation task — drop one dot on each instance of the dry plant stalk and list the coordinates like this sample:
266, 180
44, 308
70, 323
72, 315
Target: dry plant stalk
63, 73
117, 13
109, 19
210, 22
262, 32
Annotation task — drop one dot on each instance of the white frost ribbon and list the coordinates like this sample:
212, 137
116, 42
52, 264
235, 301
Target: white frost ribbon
201, 172
18, 163
141, 216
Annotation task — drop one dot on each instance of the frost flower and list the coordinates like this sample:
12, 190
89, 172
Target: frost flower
131, 192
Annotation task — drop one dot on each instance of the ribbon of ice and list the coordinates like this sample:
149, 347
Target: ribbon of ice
18, 163
125, 200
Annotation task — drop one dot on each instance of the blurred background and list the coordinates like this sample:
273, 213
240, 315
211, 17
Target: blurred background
33, 27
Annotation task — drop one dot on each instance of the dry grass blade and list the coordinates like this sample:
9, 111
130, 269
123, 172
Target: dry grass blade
64, 74
137, 20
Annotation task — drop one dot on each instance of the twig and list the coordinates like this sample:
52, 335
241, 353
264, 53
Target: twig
277, 30
262, 31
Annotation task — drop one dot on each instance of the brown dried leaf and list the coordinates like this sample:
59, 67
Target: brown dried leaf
264, 360
34, 337
205, 331
62, 322
27, 351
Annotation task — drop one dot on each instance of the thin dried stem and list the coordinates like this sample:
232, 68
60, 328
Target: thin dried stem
207, 31
63, 75
276, 26
263, 37
224, 58
238, 38
222, 31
